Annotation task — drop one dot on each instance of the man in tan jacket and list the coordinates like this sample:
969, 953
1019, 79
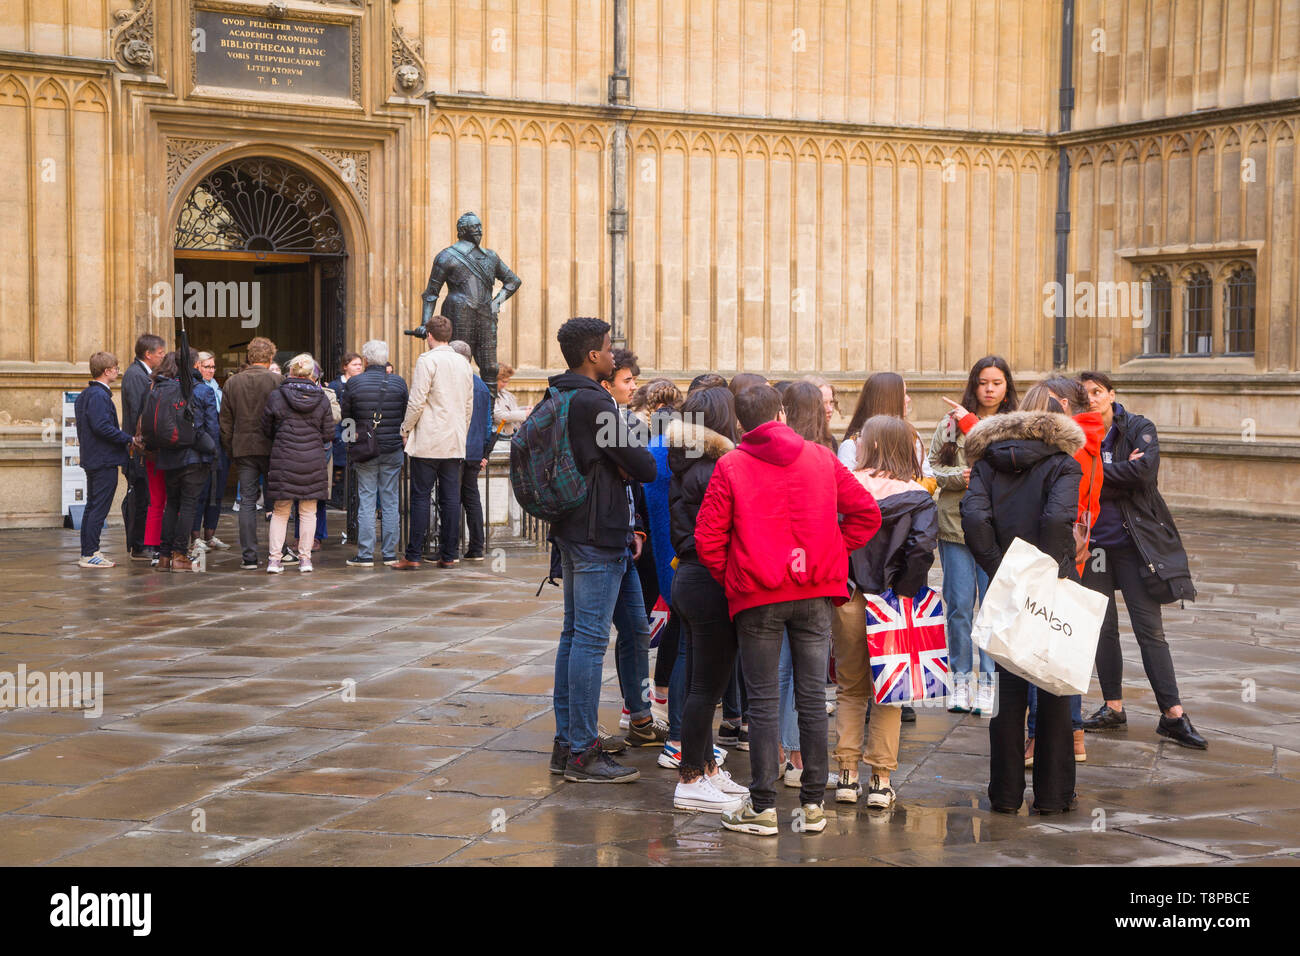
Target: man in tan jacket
436, 424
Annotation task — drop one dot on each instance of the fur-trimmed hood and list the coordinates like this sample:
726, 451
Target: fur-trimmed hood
1017, 440
688, 442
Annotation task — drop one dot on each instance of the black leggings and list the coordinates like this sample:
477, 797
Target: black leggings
1121, 569
701, 605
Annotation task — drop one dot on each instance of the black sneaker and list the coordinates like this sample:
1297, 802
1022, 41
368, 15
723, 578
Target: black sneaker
249, 565
742, 742
473, 556
142, 555
610, 743
728, 734
288, 558
559, 757
1105, 719
593, 765
909, 715
650, 734
1181, 731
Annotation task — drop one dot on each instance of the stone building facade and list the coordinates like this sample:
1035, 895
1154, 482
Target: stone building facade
783, 186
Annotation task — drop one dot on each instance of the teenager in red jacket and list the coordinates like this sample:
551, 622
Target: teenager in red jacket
767, 530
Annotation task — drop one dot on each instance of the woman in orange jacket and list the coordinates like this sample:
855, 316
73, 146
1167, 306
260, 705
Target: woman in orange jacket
1061, 394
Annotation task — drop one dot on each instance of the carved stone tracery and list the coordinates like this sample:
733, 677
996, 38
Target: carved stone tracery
181, 154
353, 166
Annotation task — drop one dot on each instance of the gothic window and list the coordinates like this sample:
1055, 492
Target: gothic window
1198, 318
1239, 312
1159, 303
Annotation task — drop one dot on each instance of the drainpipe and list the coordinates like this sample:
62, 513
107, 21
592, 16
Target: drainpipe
620, 95
1060, 341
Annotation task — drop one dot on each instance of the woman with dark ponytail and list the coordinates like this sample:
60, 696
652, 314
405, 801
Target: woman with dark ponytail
989, 391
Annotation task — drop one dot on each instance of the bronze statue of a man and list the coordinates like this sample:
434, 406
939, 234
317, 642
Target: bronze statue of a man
470, 272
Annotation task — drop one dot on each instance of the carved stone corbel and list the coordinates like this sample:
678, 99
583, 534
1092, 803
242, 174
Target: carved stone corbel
133, 37
408, 67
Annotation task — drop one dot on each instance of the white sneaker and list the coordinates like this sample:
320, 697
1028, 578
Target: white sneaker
198, 545
624, 720
959, 702
273, 567
722, 782
218, 544
96, 560
719, 755
703, 796
880, 796
793, 775
985, 695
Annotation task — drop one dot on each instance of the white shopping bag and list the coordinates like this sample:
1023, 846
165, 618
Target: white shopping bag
1039, 626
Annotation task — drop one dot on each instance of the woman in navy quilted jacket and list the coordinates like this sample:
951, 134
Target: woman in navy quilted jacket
300, 424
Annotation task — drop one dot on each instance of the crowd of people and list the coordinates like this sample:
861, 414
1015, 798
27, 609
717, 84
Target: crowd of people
292, 441
736, 533
765, 539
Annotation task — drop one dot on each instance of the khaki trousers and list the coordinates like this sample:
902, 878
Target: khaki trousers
853, 678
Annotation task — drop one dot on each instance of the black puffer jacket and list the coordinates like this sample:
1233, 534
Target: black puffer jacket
693, 450
359, 401
900, 554
300, 425
1131, 487
1023, 484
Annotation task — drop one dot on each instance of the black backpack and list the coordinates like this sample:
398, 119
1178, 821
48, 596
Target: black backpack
166, 419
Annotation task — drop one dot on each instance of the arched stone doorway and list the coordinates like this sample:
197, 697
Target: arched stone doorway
259, 249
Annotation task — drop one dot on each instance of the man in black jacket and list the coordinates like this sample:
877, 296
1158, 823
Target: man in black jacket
1135, 548
598, 550
103, 448
136, 381
375, 396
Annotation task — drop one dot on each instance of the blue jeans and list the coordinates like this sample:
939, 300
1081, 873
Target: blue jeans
632, 645
379, 477
789, 716
591, 590
1076, 710
961, 578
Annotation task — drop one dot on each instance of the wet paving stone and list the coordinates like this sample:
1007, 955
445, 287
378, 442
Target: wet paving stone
442, 757
328, 848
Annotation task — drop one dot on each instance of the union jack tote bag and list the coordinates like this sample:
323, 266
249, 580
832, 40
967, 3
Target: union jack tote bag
908, 647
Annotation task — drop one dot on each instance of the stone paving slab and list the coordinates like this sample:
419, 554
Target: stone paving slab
366, 717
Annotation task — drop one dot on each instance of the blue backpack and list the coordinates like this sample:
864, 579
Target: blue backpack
543, 472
